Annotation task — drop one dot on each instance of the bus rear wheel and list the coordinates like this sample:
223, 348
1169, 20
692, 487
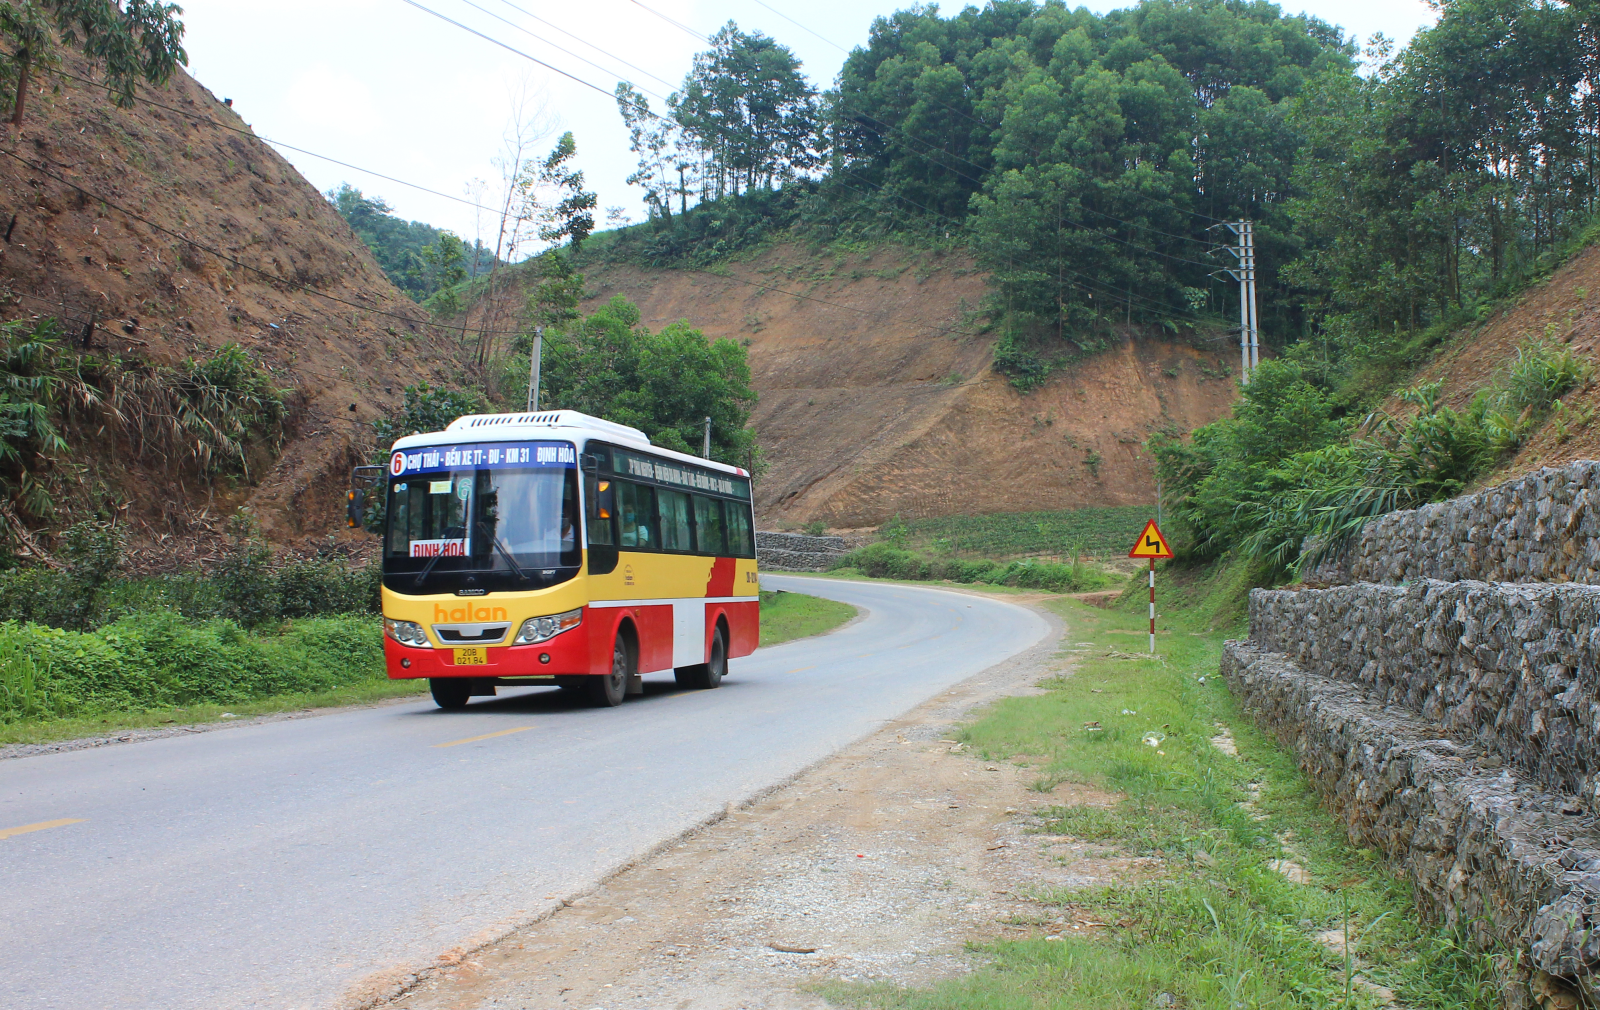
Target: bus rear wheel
450, 693
608, 690
704, 676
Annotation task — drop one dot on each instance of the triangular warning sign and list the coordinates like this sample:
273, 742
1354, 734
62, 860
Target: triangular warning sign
1151, 544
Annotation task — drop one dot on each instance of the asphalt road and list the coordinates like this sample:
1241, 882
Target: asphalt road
286, 864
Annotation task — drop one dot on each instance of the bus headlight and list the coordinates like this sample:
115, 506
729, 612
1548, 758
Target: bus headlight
407, 633
542, 629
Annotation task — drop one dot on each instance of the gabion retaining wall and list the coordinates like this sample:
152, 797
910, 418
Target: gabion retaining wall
1544, 527
1516, 867
1510, 668
795, 552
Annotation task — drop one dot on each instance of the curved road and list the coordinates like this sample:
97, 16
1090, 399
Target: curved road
286, 864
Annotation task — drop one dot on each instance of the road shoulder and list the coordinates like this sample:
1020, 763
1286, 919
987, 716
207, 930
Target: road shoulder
883, 862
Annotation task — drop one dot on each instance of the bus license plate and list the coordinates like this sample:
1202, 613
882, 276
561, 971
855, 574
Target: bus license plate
472, 657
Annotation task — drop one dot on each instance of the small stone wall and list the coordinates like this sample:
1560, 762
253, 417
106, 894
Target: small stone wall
796, 552
1544, 527
1513, 669
1516, 867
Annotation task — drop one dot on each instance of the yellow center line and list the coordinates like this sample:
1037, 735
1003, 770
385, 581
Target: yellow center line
8, 832
803, 669
486, 736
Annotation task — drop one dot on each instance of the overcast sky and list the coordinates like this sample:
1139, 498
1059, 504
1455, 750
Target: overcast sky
386, 86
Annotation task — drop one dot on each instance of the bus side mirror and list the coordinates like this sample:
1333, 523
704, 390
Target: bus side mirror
355, 507
589, 463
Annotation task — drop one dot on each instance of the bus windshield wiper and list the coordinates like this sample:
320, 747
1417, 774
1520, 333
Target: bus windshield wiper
494, 538
422, 576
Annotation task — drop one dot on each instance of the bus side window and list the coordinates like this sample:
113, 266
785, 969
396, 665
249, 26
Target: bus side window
674, 507
637, 508
708, 526
740, 543
602, 495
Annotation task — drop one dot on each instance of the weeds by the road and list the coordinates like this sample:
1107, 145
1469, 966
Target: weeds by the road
1258, 880
786, 616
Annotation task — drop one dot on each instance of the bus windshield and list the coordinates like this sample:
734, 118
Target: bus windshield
489, 517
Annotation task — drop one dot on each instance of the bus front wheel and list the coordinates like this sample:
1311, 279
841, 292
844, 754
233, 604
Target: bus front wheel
450, 693
608, 690
706, 675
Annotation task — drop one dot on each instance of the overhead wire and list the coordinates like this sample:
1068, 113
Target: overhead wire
1120, 296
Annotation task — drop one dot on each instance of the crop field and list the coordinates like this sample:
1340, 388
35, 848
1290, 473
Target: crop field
1098, 532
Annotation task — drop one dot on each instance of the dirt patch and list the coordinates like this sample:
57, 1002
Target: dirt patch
206, 236
884, 862
877, 395
1563, 310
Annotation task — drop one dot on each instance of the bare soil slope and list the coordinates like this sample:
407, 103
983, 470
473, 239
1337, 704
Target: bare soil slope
168, 230
1565, 308
877, 395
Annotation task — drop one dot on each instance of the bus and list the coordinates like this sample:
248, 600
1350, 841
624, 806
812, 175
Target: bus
559, 548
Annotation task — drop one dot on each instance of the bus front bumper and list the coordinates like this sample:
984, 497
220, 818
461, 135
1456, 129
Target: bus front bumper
563, 655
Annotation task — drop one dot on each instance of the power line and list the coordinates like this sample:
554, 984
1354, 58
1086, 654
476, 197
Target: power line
269, 275
552, 45
1117, 295
583, 41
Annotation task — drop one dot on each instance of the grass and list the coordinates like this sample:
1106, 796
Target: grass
1103, 532
787, 616
112, 723
784, 616
1222, 929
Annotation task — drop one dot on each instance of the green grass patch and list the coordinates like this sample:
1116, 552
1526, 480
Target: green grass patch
157, 661
882, 560
1222, 928
1102, 532
786, 616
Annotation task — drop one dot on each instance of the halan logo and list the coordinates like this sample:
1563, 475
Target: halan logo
468, 612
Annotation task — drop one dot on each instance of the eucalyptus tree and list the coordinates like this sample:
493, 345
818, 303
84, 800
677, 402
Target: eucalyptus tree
128, 41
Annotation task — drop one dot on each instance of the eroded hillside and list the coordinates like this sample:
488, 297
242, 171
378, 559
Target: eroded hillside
169, 230
1562, 309
877, 396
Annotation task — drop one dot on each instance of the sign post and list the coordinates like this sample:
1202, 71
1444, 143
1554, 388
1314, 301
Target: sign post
1151, 544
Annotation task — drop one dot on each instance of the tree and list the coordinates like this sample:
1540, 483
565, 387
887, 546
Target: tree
748, 106
128, 41
571, 217
652, 138
665, 383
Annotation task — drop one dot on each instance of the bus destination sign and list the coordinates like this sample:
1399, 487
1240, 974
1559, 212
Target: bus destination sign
628, 464
481, 456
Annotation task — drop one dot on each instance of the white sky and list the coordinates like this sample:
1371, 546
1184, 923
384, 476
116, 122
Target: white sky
381, 84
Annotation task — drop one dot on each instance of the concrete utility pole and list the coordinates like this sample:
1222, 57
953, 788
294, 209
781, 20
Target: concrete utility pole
1245, 273
705, 452
535, 358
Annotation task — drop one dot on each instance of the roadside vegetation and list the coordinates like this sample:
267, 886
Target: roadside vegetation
884, 561
1292, 463
1256, 882
786, 616
1095, 531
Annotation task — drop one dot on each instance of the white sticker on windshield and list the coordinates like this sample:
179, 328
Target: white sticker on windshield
438, 548
438, 487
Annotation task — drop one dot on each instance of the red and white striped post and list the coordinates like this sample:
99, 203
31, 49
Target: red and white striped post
1151, 544
1152, 606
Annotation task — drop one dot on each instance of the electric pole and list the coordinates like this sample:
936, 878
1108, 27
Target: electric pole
705, 452
1244, 254
535, 357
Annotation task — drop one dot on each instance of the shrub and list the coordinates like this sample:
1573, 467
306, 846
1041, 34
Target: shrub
885, 561
160, 659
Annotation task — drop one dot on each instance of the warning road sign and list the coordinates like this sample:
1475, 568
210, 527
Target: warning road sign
1151, 544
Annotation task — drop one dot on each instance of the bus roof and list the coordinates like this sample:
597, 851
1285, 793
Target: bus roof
547, 424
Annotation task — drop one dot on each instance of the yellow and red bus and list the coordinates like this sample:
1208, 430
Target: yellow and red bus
559, 547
